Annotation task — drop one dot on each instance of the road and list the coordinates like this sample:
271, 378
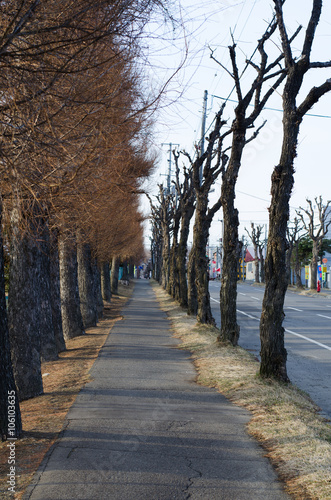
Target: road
307, 338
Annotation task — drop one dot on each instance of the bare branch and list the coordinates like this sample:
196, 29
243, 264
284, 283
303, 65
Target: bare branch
313, 96
310, 32
219, 63
283, 33
326, 64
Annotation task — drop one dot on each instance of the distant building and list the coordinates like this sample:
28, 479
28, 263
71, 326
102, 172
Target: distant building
250, 266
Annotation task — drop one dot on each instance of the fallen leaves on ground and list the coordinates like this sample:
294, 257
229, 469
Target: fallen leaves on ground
43, 417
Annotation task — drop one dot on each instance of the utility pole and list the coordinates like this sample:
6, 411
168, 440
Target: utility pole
170, 144
203, 128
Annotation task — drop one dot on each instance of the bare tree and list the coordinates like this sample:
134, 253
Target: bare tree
273, 352
293, 239
316, 227
173, 283
162, 213
242, 123
187, 203
206, 169
255, 236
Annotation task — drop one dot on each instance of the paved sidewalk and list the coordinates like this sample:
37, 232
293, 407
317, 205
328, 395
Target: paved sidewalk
144, 430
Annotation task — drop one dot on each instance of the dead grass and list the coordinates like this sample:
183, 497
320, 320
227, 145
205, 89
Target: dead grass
284, 419
43, 417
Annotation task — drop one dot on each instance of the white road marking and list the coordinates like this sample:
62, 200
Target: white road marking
255, 298
309, 340
286, 330
294, 309
322, 316
240, 293
248, 315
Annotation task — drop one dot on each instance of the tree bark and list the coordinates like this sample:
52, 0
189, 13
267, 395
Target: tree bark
288, 263
228, 295
200, 240
192, 294
24, 310
173, 284
257, 264
314, 264
55, 292
262, 264
125, 275
97, 288
273, 352
48, 348
165, 266
114, 275
10, 414
298, 281
87, 290
182, 254
131, 271
105, 282
72, 321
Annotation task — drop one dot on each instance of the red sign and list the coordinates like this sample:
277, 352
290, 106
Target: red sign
324, 261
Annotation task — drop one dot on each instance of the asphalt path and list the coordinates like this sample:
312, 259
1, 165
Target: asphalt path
142, 429
307, 336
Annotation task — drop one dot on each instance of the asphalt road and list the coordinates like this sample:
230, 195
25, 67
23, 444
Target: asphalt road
307, 338
142, 429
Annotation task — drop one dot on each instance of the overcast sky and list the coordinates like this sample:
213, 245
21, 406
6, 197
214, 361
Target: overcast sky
208, 25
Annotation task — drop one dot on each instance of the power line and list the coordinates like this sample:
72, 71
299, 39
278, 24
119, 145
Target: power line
252, 196
270, 109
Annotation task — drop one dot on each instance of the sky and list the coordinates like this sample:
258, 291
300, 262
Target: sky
209, 26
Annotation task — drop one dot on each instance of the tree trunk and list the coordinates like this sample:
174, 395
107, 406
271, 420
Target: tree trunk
182, 255
228, 294
72, 321
48, 347
24, 310
173, 285
158, 263
273, 352
262, 265
192, 294
298, 281
165, 269
257, 264
114, 275
200, 240
55, 292
313, 265
131, 271
87, 295
288, 262
97, 288
125, 275
105, 282
10, 415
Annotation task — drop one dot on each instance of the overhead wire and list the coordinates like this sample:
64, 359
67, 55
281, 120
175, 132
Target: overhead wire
271, 109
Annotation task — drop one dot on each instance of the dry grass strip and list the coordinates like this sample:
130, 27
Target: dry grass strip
297, 439
43, 417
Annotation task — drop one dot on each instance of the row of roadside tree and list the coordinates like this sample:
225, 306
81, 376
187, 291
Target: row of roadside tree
219, 156
74, 122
